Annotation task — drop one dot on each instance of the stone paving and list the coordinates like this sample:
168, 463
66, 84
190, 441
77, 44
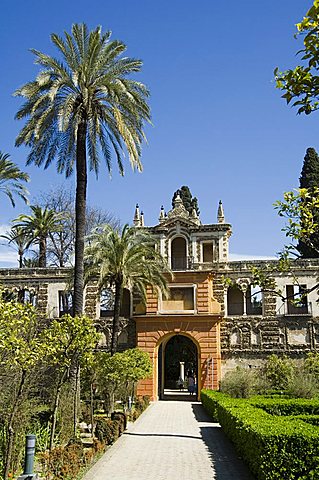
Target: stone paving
171, 440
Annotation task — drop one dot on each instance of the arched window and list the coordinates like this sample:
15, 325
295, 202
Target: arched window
235, 301
179, 254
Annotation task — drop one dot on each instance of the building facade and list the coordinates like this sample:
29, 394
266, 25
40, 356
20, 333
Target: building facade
215, 318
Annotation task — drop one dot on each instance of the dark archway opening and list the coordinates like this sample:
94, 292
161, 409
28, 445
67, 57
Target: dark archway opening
179, 254
178, 350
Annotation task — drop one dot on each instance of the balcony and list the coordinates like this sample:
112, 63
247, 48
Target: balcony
181, 263
290, 309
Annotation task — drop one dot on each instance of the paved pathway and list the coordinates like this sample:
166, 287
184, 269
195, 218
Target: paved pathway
172, 440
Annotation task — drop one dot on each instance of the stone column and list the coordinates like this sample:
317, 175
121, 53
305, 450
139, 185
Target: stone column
182, 370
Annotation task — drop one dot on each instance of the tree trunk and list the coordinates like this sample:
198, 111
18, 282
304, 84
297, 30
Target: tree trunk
21, 252
116, 317
80, 208
42, 252
10, 427
92, 408
76, 397
55, 408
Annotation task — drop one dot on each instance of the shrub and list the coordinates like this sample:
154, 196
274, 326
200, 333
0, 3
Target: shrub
278, 372
240, 383
63, 463
274, 447
107, 430
302, 385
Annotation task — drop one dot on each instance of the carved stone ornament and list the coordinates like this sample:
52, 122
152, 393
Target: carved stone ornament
179, 211
243, 283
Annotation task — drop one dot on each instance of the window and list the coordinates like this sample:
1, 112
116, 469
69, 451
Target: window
180, 299
297, 303
107, 299
107, 303
208, 252
22, 296
254, 300
179, 254
235, 301
65, 303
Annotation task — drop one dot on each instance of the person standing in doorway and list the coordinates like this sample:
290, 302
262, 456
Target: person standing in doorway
191, 385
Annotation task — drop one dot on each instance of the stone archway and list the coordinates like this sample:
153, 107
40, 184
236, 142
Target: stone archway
203, 331
178, 356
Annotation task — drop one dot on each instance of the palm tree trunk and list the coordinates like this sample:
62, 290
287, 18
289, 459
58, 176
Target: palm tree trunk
21, 252
42, 252
80, 207
116, 317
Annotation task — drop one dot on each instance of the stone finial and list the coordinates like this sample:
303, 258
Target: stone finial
194, 213
161, 217
220, 214
137, 216
178, 201
142, 219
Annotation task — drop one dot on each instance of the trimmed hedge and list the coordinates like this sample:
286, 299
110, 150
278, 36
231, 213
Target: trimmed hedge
274, 447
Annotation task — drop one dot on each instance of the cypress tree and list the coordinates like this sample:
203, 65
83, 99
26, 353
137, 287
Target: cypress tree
309, 179
187, 198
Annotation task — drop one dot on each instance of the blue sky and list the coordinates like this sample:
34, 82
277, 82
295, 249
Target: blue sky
219, 124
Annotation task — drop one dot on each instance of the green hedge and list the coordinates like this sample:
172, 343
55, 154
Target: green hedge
274, 447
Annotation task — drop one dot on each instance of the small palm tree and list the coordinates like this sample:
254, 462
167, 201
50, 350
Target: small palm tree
38, 226
20, 240
83, 104
11, 178
124, 259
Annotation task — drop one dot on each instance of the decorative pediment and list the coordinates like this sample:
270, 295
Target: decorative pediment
179, 213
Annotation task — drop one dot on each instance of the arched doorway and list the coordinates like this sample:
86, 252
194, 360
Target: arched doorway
177, 357
179, 254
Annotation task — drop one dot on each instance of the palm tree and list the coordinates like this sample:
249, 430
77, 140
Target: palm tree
11, 178
124, 259
84, 104
38, 226
20, 239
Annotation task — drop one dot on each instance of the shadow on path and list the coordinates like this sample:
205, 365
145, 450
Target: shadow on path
226, 462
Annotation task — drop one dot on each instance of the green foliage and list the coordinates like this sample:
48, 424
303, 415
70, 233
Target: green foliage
70, 338
189, 202
302, 385
310, 179
38, 226
299, 207
88, 83
241, 383
301, 85
125, 259
121, 371
11, 179
278, 372
107, 431
311, 364
274, 447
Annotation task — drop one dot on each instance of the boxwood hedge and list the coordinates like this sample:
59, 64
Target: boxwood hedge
274, 446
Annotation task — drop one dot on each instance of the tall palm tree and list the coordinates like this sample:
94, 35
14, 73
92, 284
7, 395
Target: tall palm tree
19, 239
124, 259
11, 178
83, 104
38, 226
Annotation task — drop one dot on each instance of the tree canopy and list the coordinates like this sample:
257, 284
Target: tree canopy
82, 104
11, 179
309, 179
187, 198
